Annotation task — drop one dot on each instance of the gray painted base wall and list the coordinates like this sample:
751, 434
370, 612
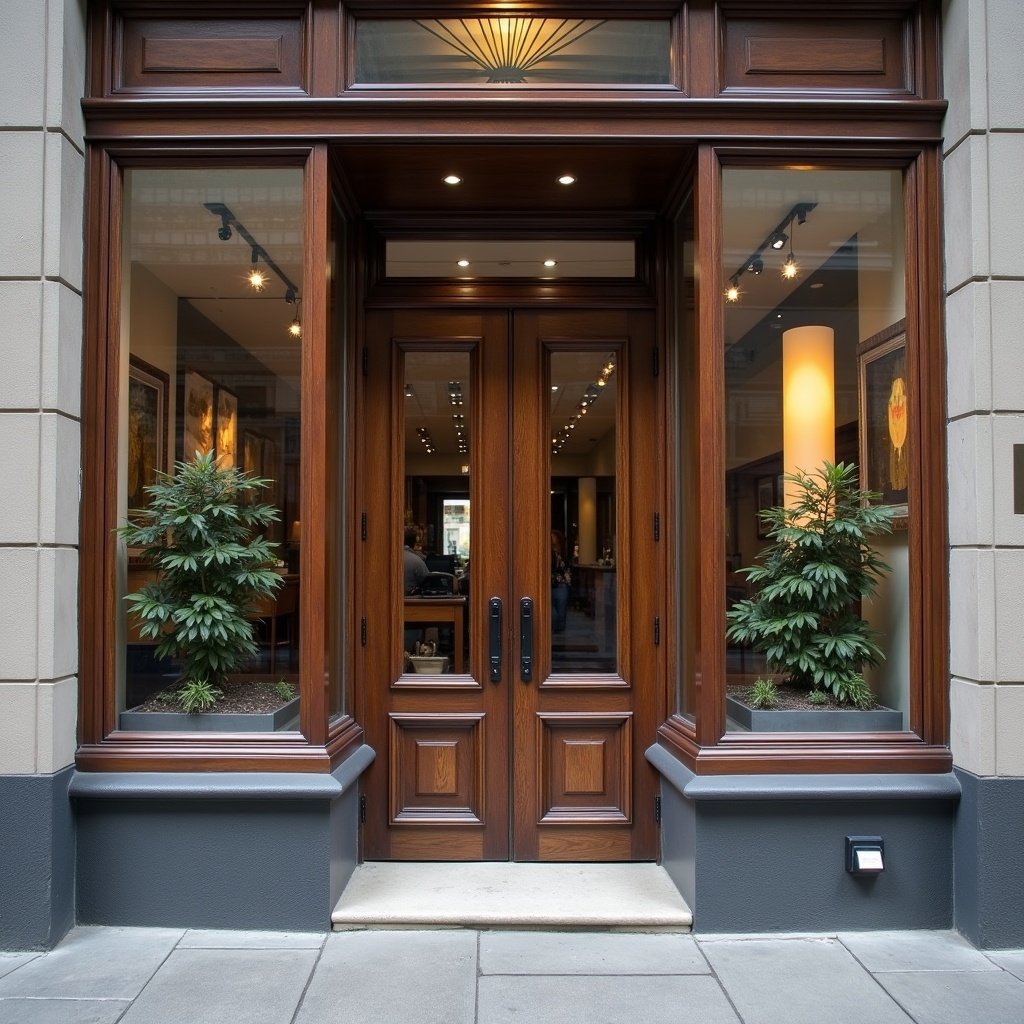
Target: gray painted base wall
216, 850
766, 853
37, 851
988, 872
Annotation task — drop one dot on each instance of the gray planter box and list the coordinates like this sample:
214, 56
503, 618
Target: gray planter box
285, 717
826, 720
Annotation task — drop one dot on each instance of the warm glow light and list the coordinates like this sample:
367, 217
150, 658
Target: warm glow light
808, 402
567, 179
790, 268
550, 263
452, 179
295, 328
463, 263
732, 293
257, 279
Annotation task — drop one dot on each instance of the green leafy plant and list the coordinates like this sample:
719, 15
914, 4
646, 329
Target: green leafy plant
284, 689
202, 532
817, 697
804, 615
763, 695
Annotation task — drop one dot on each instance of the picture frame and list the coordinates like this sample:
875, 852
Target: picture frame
884, 398
197, 415
148, 390
226, 428
766, 498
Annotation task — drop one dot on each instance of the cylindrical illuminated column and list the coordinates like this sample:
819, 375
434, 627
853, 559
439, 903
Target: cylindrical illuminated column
808, 401
588, 519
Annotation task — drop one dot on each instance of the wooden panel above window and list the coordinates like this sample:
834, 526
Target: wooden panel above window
830, 55
217, 54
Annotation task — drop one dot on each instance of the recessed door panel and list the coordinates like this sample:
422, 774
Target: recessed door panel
504, 683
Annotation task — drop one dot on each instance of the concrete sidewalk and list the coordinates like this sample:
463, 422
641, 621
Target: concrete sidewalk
160, 976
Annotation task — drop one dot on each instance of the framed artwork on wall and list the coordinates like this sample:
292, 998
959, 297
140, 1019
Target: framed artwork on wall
197, 415
883, 390
227, 429
147, 428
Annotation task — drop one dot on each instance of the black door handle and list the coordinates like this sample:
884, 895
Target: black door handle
494, 639
526, 639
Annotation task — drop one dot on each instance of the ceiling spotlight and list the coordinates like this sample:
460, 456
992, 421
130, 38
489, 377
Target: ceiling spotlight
463, 263
756, 265
778, 240
567, 179
257, 279
551, 263
732, 293
452, 179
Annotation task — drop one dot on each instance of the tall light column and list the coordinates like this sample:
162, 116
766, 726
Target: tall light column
808, 401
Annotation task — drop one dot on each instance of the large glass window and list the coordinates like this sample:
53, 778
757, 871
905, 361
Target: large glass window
212, 266
816, 376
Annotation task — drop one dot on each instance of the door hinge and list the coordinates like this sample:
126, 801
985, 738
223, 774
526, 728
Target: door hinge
362, 526
657, 809
657, 526
657, 630
362, 809
656, 360
366, 361
362, 630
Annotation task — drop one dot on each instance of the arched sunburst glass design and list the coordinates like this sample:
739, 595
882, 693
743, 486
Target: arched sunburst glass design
513, 51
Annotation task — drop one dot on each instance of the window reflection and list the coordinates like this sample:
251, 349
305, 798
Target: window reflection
436, 540
584, 615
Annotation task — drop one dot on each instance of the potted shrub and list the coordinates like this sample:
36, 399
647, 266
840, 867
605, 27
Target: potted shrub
202, 534
805, 614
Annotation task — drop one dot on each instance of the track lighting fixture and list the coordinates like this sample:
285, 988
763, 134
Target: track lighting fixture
257, 276
776, 240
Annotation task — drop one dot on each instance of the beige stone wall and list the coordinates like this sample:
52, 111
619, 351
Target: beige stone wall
42, 57
984, 225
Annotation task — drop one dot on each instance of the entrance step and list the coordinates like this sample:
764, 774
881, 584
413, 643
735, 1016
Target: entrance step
613, 897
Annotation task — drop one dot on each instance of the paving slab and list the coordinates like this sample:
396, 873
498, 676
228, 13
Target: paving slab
12, 961
196, 938
213, 986
20, 1010
1011, 960
95, 963
934, 997
601, 1000
589, 953
423, 977
915, 951
798, 981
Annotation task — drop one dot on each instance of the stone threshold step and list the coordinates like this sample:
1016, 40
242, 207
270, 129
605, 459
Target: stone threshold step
620, 897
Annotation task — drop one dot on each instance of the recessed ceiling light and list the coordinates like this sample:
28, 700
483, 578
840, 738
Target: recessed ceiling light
551, 263
463, 263
452, 179
567, 179
554, 387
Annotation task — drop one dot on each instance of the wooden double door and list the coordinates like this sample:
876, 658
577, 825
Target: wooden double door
509, 471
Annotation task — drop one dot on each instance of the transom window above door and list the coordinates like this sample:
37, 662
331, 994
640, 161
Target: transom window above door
505, 52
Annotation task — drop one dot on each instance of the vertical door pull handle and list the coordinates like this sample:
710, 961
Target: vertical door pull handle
526, 639
494, 639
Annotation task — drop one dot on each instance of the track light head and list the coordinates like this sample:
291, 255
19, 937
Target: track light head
756, 265
778, 240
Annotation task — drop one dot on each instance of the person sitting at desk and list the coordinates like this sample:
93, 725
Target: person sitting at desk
415, 567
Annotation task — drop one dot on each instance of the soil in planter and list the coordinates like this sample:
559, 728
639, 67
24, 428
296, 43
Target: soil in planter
241, 697
792, 698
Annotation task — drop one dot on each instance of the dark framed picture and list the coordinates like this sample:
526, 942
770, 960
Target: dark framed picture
197, 415
884, 396
765, 499
226, 429
147, 428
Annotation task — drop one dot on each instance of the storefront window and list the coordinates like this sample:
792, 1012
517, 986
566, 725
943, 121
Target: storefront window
211, 286
815, 376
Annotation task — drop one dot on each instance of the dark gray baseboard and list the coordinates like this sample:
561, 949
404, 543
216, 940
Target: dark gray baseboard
767, 853
988, 879
819, 720
37, 860
216, 850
